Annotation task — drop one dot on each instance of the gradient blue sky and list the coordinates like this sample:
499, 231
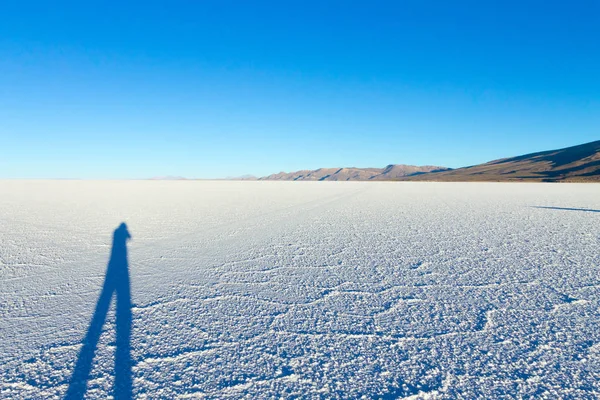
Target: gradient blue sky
211, 89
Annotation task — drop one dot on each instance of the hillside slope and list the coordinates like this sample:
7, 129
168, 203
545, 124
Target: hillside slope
572, 164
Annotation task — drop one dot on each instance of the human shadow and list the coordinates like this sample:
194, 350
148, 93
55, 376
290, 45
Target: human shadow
568, 209
116, 282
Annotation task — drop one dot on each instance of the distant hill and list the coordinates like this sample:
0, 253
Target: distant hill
572, 164
396, 171
391, 172
241, 178
168, 178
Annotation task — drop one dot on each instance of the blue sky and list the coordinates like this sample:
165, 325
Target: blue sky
210, 89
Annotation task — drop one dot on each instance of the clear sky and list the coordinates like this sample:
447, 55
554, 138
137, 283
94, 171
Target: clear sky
208, 89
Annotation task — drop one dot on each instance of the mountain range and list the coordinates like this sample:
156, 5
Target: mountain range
391, 172
572, 164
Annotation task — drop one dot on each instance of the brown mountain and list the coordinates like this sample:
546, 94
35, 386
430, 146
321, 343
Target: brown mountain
396, 171
391, 172
572, 164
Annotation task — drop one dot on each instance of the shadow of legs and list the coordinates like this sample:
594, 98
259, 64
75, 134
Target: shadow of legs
78, 384
123, 351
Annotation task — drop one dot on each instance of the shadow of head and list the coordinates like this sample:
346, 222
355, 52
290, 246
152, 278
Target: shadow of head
121, 234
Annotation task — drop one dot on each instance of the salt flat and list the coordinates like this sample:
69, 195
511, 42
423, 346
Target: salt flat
315, 289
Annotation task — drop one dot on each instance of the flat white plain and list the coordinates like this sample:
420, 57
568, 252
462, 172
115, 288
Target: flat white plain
313, 289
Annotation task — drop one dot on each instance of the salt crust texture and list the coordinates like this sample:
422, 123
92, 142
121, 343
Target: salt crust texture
317, 290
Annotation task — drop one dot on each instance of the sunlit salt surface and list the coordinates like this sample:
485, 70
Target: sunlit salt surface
312, 289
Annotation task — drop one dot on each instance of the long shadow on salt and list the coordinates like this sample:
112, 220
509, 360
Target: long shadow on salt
568, 209
116, 282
